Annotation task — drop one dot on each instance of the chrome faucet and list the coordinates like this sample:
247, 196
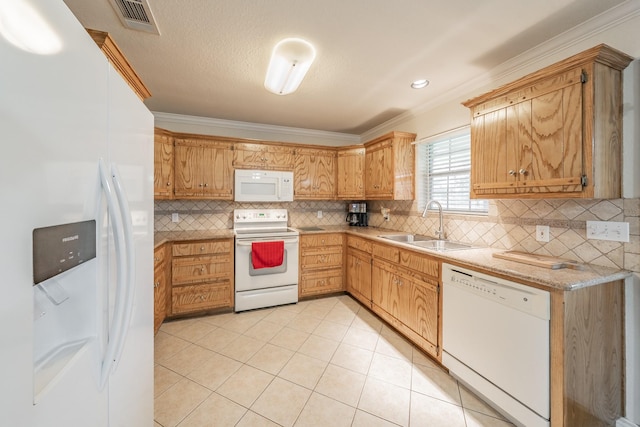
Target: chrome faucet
440, 231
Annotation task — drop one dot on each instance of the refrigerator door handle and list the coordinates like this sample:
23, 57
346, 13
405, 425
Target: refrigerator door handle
129, 284
116, 323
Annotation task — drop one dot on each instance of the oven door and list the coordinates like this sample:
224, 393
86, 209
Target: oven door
247, 278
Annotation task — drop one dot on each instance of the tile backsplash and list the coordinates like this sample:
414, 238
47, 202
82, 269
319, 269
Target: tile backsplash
510, 224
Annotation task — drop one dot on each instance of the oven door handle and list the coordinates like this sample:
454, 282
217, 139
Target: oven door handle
249, 242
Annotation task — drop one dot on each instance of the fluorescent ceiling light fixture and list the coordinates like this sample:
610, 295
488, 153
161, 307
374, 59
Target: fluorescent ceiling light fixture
419, 84
25, 28
290, 61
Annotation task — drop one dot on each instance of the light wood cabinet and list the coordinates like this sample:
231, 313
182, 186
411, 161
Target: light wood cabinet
162, 165
554, 133
405, 292
390, 167
358, 269
350, 175
201, 276
314, 174
203, 169
263, 156
321, 261
161, 275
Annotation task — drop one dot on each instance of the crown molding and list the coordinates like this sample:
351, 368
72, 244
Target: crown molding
514, 67
264, 129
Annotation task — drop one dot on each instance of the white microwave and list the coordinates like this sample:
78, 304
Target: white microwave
263, 186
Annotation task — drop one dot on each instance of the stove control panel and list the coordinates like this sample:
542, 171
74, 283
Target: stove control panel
259, 215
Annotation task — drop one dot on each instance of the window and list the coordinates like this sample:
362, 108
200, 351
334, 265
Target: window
444, 165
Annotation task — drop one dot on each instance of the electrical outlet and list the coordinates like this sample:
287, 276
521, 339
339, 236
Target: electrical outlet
542, 233
175, 217
319, 214
385, 213
608, 230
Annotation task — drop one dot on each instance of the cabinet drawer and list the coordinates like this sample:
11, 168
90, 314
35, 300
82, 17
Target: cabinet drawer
321, 258
320, 240
201, 269
386, 252
420, 263
201, 248
359, 243
159, 255
185, 299
321, 282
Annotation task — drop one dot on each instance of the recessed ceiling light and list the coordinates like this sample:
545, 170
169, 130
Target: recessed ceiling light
419, 84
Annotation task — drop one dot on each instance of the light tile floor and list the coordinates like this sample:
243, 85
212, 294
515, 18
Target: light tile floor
325, 362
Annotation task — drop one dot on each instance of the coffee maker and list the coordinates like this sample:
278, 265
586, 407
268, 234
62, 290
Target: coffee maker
357, 215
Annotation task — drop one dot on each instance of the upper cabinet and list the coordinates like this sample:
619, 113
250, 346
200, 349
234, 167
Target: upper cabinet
314, 174
162, 165
389, 167
350, 181
203, 169
553, 133
115, 56
263, 156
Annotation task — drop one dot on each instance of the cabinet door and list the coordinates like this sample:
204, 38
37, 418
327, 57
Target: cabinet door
350, 182
556, 125
188, 174
387, 292
379, 179
422, 315
163, 167
490, 171
359, 275
314, 174
263, 156
217, 171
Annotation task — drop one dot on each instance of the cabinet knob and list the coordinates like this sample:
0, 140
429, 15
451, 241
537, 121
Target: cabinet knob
199, 185
201, 297
168, 184
201, 248
206, 185
202, 269
522, 171
512, 172
156, 285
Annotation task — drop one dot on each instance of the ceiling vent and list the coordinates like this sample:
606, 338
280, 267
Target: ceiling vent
135, 14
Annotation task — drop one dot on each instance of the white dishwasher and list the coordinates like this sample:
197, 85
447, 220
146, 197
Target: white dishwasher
495, 336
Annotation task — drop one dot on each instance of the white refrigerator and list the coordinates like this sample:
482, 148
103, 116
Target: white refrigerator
76, 229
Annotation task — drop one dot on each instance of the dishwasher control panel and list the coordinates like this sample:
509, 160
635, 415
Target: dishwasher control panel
516, 295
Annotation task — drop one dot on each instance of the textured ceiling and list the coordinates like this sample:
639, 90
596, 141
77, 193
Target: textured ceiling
211, 55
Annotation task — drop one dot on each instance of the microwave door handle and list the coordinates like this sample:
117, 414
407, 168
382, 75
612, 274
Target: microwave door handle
278, 186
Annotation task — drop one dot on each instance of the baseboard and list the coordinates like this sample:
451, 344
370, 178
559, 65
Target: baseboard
623, 422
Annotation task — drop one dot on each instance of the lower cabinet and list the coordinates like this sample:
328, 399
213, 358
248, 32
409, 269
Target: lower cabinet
358, 269
405, 292
321, 260
161, 276
201, 276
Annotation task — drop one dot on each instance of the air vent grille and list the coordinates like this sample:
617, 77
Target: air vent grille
133, 10
135, 14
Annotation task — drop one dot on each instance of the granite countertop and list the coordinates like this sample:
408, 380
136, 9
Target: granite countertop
563, 279
161, 237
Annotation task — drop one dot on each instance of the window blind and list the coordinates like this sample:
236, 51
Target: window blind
444, 167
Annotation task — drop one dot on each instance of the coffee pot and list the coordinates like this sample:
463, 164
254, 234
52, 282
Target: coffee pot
357, 215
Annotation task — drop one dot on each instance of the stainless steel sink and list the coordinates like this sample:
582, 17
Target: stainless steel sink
406, 238
442, 245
